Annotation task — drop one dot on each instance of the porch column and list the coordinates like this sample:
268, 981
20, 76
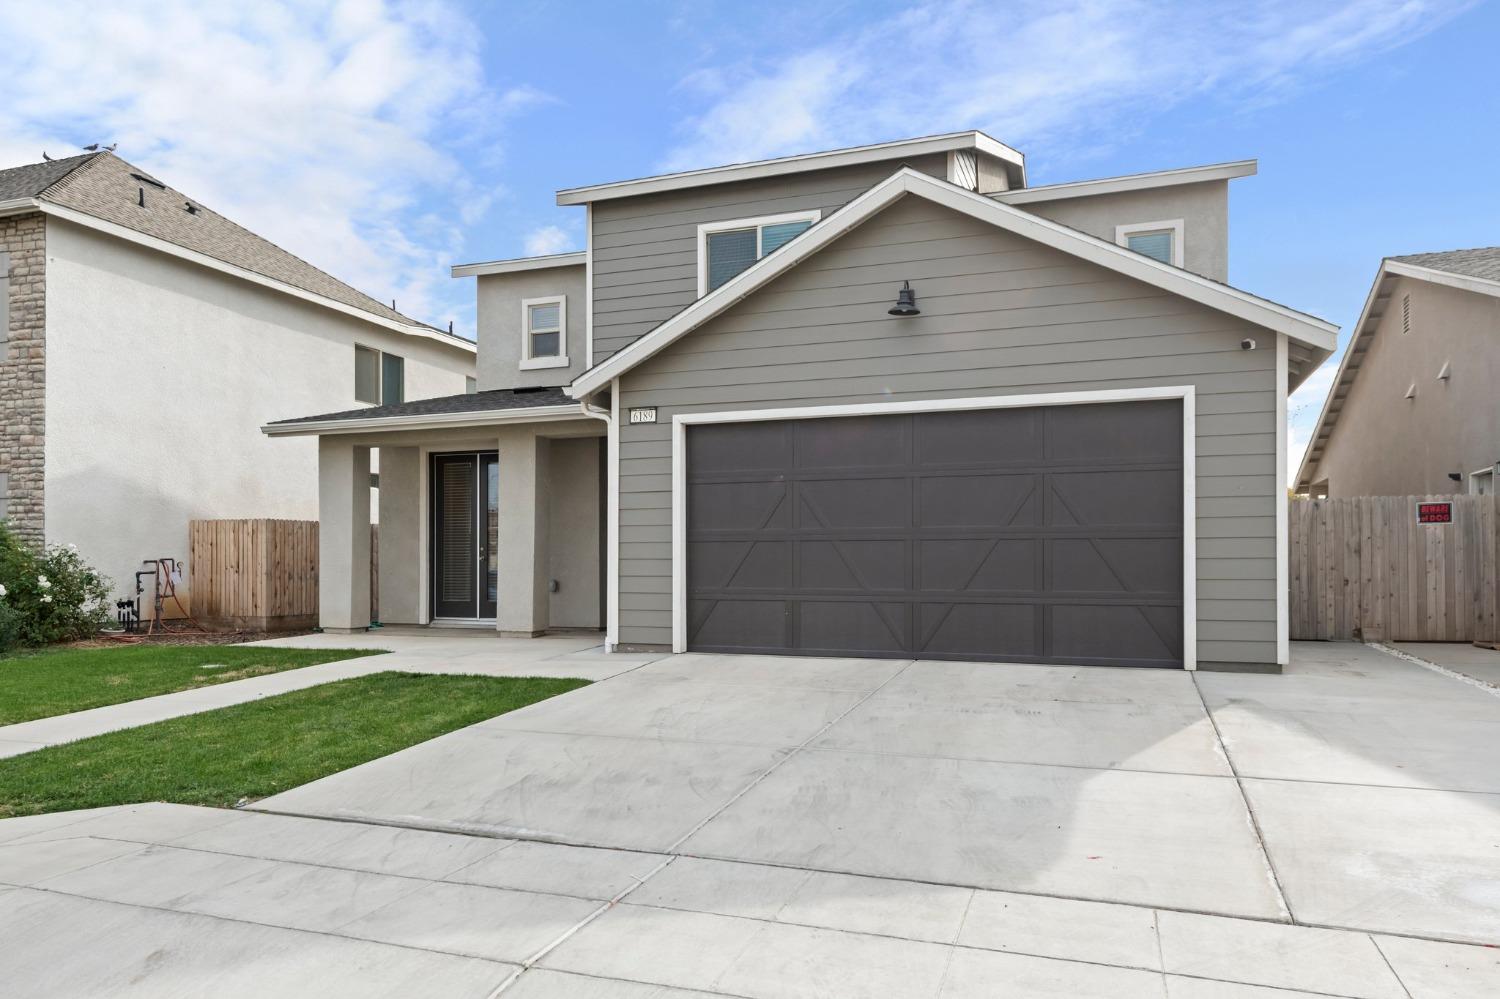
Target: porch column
523, 542
400, 573
343, 536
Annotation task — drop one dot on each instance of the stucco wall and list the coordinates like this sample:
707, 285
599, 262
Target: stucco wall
574, 532
1204, 209
23, 371
1014, 317
500, 325
160, 374
1387, 445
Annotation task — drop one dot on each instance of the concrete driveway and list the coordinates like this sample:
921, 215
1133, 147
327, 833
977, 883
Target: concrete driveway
807, 827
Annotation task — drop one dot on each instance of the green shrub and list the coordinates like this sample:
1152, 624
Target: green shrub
48, 596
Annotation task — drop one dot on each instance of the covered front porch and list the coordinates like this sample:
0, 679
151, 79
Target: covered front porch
489, 509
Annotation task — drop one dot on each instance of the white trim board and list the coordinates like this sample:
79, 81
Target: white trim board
612, 494
1314, 332
1129, 182
1186, 393
1014, 161
1283, 573
515, 264
560, 359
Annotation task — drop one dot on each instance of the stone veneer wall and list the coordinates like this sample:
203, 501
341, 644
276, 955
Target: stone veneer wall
23, 375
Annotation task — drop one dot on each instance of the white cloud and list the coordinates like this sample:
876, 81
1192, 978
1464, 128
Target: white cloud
336, 128
548, 239
1030, 72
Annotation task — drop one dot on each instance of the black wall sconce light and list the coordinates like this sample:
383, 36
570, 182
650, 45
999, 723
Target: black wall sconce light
1456, 476
906, 302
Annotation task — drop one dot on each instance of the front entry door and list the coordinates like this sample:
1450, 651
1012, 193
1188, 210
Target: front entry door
465, 535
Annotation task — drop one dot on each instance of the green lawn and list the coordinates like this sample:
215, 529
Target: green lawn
57, 681
262, 747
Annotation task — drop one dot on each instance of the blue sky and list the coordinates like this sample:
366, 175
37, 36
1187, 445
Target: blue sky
386, 141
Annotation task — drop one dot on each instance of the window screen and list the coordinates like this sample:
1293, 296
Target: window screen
729, 253
774, 237
1156, 245
392, 379
367, 375
545, 329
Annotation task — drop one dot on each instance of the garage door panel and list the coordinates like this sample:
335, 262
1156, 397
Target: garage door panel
1116, 497
1104, 431
851, 442
1115, 633
854, 503
862, 627
1151, 565
978, 630
738, 506
979, 437
871, 565
969, 501
761, 565
735, 447
1038, 535
740, 623
972, 564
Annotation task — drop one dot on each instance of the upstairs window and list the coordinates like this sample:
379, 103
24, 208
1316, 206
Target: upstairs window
725, 249
1157, 240
544, 332
392, 379
471, 385
379, 378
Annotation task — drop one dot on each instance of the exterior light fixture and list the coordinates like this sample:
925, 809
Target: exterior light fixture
906, 302
1456, 476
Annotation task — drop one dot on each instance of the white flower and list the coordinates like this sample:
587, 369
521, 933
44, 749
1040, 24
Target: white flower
43, 583
2, 589
72, 547
46, 598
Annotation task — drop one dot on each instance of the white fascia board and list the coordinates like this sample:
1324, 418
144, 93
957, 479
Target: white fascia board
213, 263
1310, 330
19, 206
576, 259
1129, 182
1463, 282
797, 164
424, 421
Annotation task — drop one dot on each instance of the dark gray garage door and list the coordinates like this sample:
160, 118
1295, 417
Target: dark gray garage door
1033, 535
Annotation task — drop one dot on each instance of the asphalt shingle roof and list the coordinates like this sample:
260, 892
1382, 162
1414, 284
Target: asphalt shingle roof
1479, 262
495, 400
108, 188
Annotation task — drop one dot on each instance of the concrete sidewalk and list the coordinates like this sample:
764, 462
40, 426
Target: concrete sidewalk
165, 900
411, 650
1460, 657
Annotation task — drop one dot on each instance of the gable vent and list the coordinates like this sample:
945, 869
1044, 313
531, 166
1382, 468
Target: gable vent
1405, 313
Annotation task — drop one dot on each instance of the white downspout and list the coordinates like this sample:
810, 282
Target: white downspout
612, 517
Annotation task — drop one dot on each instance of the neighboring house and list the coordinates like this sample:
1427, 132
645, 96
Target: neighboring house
1414, 408
143, 341
882, 401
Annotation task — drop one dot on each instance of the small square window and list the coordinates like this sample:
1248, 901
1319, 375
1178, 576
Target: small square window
392, 379
544, 325
366, 374
1158, 240
1156, 245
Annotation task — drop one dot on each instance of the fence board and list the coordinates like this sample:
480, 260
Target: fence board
1364, 568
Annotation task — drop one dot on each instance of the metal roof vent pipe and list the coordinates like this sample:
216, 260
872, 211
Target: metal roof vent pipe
906, 302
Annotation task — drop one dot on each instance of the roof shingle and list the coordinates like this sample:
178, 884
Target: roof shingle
495, 400
1480, 262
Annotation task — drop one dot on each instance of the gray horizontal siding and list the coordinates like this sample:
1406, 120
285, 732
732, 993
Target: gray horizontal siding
1000, 315
645, 249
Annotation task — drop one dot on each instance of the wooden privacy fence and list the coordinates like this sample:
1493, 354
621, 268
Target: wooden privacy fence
260, 575
1364, 568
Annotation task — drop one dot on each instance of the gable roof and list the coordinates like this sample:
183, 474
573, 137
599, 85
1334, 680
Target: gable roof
1319, 336
1014, 161
1467, 270
104, 192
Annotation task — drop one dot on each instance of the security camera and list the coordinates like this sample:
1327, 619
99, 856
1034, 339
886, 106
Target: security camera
1247, 344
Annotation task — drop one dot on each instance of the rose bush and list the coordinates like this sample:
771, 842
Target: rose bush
48, 596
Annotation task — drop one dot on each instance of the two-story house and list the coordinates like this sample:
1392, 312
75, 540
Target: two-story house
887, 401
143, 340
1413, 409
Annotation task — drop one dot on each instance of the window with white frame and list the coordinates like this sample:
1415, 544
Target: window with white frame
544, 332
1157, 240
727, 248
379, 377
1482, 482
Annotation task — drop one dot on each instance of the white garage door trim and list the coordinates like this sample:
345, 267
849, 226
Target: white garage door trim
682, 421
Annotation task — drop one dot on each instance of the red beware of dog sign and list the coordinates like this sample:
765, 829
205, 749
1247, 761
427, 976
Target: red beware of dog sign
1435, 512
